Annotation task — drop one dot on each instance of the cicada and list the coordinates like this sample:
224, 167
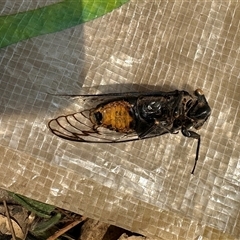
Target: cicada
118, 117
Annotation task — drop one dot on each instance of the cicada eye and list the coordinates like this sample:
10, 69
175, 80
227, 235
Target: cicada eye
199, 92
200, 111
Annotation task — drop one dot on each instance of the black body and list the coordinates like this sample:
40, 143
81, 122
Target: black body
147, 115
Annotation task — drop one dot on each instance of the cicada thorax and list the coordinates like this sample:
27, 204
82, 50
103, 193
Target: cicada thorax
117, 116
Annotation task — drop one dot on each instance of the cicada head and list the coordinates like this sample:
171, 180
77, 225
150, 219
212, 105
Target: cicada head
200, 110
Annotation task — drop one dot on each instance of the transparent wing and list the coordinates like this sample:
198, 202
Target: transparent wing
79, 127
102, 98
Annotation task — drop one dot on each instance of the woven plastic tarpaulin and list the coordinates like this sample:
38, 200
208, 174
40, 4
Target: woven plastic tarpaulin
143, 186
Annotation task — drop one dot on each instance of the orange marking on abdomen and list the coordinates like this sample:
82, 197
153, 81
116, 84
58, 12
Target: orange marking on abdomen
116, 116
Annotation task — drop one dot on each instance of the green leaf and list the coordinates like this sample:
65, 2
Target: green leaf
52, 18
40, 209
43, 226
